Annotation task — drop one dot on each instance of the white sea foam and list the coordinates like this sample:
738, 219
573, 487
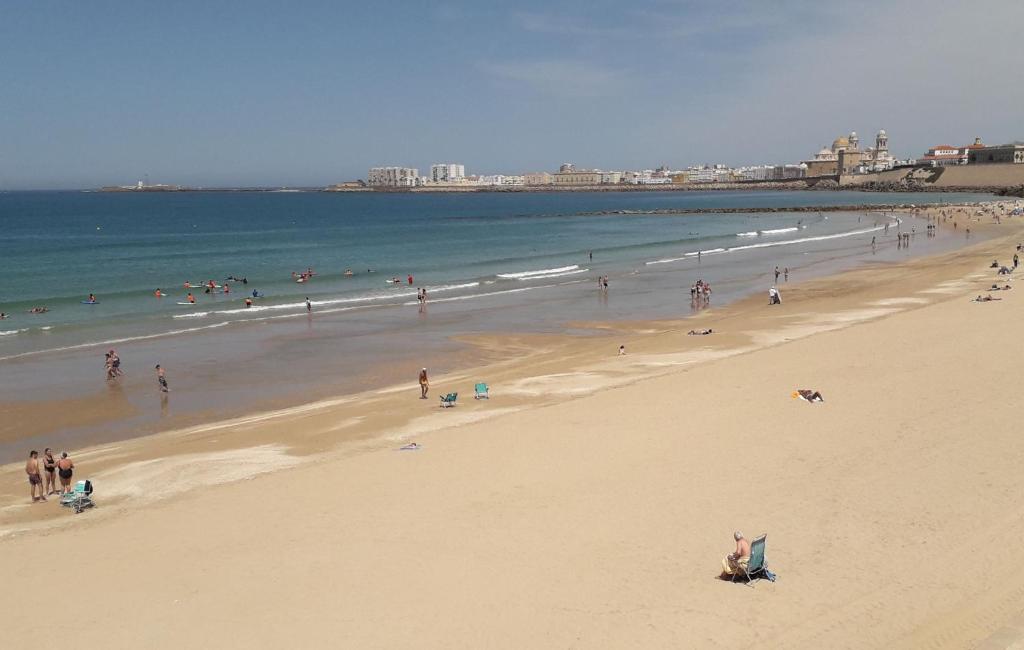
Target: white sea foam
768, 244
777, 231
126, 339
538, 273
301, 306
555, 275
12, 332
752, 233
686, 256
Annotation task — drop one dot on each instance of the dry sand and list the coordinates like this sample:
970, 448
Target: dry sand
589, 502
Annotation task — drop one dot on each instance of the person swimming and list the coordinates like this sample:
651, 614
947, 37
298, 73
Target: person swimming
92, 297
157, 293
191, 298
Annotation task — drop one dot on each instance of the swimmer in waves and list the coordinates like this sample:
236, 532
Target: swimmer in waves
349, 273
395, 281
38, 310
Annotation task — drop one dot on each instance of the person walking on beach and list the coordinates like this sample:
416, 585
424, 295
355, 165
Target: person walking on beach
309, 305
424, 383
161, 379
785, 273
65, 469
776, 275
50, 466
34, 480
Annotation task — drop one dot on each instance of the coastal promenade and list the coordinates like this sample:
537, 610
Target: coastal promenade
589, 502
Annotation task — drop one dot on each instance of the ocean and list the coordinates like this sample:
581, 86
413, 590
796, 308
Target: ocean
490, 262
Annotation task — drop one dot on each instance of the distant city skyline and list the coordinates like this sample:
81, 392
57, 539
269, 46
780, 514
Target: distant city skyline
260, 93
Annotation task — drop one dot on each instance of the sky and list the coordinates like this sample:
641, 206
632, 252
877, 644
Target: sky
257, 92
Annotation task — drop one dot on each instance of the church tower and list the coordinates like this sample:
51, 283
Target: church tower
881, 141
854, 141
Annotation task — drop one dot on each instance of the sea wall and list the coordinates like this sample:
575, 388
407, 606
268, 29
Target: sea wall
991, 178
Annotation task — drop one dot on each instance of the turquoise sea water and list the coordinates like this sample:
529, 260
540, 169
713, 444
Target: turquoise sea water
489, 262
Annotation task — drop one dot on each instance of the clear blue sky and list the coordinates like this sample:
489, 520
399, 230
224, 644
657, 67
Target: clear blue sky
308, 93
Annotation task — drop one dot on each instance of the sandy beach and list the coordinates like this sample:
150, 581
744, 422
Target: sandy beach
589, 502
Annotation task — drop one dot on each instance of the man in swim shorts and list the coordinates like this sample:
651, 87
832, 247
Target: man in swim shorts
34, 479
161, 379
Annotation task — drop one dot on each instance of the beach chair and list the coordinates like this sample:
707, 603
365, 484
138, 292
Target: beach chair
80, 498
482, 391
448, 400
757, 568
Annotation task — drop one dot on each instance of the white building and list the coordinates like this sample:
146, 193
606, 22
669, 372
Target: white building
447, 173
611, 178
393, 177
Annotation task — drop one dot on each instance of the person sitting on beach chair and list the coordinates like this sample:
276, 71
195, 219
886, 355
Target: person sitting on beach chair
736, 562
809, 395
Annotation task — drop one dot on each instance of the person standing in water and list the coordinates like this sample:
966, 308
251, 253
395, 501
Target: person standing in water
309, 306
424, 383
161, 379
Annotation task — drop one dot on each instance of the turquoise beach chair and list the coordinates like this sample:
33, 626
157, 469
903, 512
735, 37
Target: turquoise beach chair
449, 400
757, 568
80, 498
482, 391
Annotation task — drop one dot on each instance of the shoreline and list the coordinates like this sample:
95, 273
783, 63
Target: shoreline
607, 485
498, 354
124, 411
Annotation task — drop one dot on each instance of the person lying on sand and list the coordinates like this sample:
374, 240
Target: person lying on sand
985, 299
700, 332
809, 395
738, 559
996, 287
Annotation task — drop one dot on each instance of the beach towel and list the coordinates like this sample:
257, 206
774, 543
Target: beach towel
732, 566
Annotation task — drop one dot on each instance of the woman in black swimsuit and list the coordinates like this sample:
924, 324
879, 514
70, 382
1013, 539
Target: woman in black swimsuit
50, 465
64, 470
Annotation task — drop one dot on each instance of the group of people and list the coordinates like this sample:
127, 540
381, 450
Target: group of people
43, 480
784, 273
113, 365
421, 296
602, 282
700, 293
305, 276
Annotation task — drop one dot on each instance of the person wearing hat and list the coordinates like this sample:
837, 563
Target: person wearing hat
424, 383
739, 558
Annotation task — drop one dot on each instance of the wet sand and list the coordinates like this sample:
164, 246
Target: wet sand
249, 367
588, 502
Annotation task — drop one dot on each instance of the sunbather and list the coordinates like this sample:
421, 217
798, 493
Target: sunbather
704, 332
809, 395
986, 299
736, 561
